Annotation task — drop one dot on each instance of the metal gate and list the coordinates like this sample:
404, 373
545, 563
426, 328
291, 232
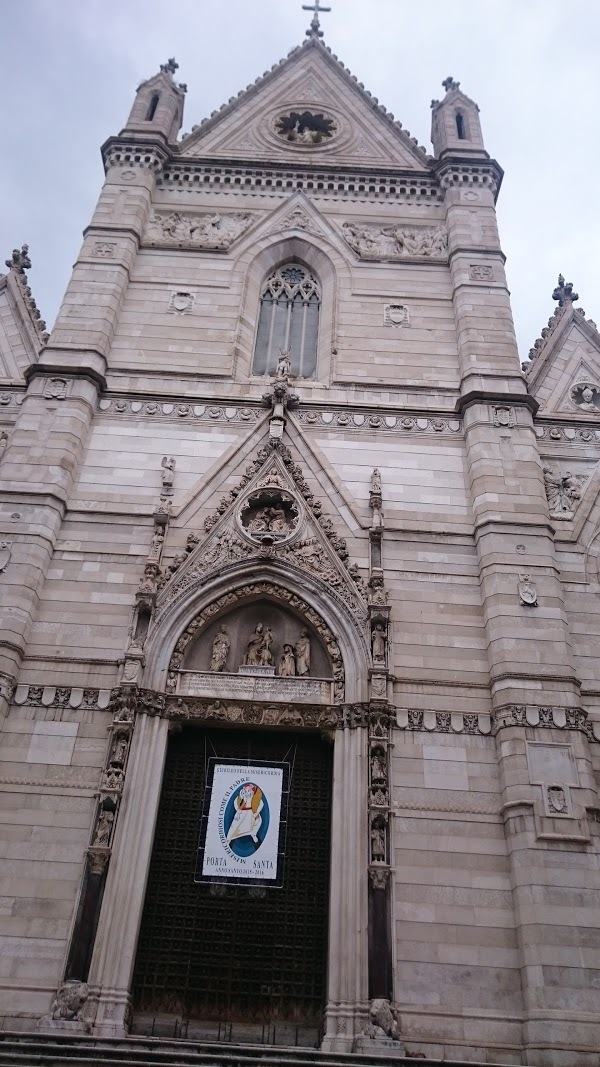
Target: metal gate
236, 962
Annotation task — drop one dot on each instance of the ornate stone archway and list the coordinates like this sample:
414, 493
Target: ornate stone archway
113, 958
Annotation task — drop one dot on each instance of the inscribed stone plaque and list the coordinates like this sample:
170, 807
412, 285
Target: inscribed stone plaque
248, 687
550, 764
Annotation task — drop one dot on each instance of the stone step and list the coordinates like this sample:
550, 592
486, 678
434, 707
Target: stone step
49, 1050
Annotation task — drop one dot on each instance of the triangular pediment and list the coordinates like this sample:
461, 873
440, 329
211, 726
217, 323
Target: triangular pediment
271, 515
311, 80
566, 367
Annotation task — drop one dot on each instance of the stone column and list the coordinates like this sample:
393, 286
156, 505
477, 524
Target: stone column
113, 960
535, 693
347, 1008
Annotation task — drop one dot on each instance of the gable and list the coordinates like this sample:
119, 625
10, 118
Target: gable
311, 81
567, 368
19, 342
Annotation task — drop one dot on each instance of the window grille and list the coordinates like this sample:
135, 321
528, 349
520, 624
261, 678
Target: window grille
288, 319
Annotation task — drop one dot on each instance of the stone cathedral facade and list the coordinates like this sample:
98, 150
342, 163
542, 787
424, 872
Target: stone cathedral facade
278, 498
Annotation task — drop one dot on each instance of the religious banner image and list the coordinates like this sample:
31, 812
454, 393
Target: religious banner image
242, 833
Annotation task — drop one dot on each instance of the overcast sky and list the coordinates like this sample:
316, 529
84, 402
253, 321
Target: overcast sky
71, 68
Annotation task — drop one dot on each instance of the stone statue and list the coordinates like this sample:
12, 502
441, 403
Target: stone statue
302, 651
266, 658
69, 1001
284, 366
156, 544
378, 643
168, 472
378, 766
287, 663
220, 650
384, 1019
3, 442
562, 491
376, 482
254, 647
103, 829
377, 842
119, 752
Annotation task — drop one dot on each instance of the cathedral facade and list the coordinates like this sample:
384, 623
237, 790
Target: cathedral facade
300, 599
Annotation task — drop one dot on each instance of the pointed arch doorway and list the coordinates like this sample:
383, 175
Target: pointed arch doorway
237, 962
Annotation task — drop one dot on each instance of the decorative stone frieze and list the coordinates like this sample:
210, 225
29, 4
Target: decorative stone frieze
470, 178
390, 243
215, 232
178, 410
587, 435
273, 183
248, 713
12, 398
368, 421
119, 154
50, 696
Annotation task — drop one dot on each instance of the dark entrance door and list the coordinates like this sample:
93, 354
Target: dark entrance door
236, 962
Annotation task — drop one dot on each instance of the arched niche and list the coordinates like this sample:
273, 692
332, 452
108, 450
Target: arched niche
243, 581
324, 263
240, 626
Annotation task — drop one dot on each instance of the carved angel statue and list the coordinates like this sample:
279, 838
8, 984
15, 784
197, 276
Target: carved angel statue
302, 651
168, 471
220, 650
287, 663
284, 365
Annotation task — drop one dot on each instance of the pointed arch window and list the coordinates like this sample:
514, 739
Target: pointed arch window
289, 318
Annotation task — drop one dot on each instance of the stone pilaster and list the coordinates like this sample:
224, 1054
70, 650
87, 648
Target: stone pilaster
529, 645
113, 959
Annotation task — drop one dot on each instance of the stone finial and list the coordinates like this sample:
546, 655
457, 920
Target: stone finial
169, 67
20, 261
449, 84
564, 292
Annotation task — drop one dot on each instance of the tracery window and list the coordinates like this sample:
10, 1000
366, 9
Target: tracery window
288, 319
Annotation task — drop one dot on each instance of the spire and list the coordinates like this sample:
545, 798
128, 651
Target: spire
564, 293
315, 26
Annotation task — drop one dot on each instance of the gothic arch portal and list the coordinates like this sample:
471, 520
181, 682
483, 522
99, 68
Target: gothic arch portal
113, 965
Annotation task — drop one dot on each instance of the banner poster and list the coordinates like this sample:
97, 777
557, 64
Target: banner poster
243, 824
